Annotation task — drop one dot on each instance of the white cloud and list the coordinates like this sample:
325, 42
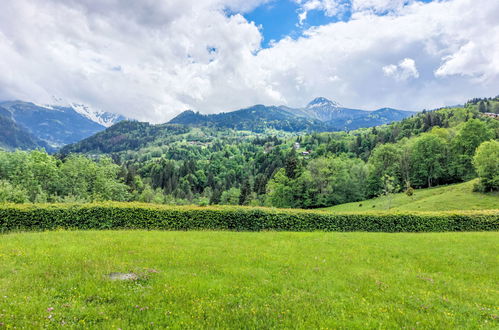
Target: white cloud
152, 59
340, 7
330, 7
404, 70
380, 6
147, 59
473, 60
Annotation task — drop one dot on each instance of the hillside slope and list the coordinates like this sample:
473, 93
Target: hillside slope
125, 135
445, 198
13, 136
257, 118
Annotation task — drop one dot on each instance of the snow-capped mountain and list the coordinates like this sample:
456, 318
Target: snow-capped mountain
103, 118
58, 125
326, 110
98, 116
322, 102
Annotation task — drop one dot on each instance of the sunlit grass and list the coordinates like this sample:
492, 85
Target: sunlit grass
249, 280
444, 198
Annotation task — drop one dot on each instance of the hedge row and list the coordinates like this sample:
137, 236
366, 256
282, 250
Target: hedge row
146, 216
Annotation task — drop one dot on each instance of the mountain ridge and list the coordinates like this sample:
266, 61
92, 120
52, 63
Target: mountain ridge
321, 114
14, 136
53, 126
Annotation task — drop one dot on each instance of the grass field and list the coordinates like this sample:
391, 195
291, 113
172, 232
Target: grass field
445, 198
249, 280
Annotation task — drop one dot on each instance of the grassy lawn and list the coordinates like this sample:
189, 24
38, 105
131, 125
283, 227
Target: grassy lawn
445, 198
249, 280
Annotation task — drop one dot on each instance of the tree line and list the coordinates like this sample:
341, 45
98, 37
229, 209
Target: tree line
188, 166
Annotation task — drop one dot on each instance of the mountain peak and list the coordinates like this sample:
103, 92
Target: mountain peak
188, 112
100, 117
322, 102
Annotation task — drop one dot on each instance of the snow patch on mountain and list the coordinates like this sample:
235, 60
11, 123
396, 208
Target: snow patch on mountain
45, 106
321, 102
103, 118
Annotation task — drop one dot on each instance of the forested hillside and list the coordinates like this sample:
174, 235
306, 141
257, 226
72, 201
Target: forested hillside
485, 105
176, 164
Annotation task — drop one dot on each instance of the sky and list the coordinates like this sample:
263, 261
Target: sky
152, 59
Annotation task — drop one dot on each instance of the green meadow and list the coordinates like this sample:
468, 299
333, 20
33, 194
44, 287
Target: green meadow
214, 279
444, 198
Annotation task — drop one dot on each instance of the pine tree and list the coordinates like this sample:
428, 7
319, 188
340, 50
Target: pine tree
245, 192
291, 164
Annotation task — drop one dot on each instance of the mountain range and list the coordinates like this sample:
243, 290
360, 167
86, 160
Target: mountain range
320, 114
13, 136
25, 125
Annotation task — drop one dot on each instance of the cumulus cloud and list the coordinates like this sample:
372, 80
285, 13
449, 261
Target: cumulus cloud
341, 7
152, 59
404, 70
147, 59
473, 60
329, 7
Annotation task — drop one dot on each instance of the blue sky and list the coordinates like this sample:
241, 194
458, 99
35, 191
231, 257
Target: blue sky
278, 19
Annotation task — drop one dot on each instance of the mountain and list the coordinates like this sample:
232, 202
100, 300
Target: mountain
257, 118
57, 125
126, 135
327, 111
320, 114
194, 129
13, 136
106, 119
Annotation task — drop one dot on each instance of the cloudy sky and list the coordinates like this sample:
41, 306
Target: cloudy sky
151, 59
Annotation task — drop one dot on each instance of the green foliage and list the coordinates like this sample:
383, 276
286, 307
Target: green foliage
291, 165
486, 162
279, 191
245, 195
147, 216
125, 135
12, 194
174, 164
385, 160
485, 105
231, 197
389, 188
469, 137
330, 181
428, 159
43, 178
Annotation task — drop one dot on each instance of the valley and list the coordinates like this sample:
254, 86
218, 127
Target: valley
262, 164
210, 164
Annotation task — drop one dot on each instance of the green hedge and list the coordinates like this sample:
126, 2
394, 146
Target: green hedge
146, 216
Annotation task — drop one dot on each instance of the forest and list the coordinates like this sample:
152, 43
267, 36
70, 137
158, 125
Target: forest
177, 164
